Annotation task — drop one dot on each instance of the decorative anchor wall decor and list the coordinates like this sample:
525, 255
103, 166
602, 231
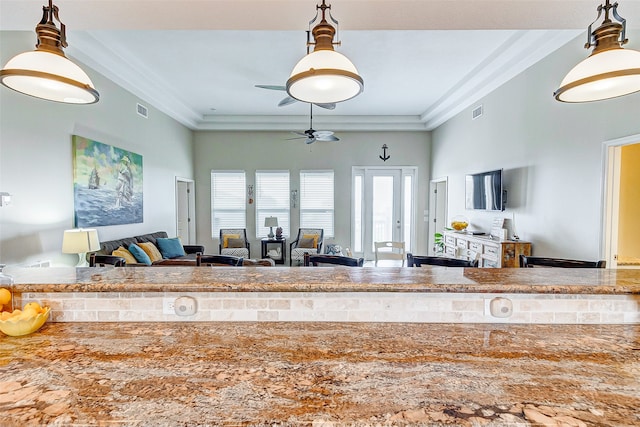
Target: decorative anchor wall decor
384, 156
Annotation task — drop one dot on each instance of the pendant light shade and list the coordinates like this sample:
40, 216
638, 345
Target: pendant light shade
46, 73
610, 71
324, 75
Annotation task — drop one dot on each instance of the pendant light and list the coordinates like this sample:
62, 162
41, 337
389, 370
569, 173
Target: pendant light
46, 72
610, 71
324, 75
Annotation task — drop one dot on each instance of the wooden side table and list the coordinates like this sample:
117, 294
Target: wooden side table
270, 244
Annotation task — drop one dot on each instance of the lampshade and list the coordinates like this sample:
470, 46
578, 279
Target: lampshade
271, 221
610, 71
80, 241
46, 72
324, 75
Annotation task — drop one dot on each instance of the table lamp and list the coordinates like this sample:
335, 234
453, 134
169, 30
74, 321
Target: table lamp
271, 221
80, 241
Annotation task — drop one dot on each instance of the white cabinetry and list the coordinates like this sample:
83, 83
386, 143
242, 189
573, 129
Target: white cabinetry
489, 252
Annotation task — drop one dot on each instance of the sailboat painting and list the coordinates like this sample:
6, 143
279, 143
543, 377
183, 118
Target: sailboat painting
107, 184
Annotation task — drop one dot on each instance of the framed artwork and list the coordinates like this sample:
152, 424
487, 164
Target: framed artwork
107, 184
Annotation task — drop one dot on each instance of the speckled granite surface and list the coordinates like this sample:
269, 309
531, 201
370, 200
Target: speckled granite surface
308, 373
328, 279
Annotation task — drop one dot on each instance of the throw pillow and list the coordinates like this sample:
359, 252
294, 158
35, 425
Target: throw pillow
312, 236
307, 243
139, 254
226, 237
152, 251
124, 253
235, 243
170, 248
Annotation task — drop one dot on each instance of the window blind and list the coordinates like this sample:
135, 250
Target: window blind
228, 205
317, 200
272, 199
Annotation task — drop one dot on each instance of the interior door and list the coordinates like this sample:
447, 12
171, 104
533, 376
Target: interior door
437, 210
185, 208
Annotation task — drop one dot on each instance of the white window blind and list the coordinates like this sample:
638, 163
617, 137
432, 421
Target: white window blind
316, 200
272, 199
228, 205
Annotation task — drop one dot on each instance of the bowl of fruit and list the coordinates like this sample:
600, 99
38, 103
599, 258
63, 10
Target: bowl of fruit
24, 322
459, 223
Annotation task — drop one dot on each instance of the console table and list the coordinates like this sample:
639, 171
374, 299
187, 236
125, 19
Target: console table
279, 243
491, 253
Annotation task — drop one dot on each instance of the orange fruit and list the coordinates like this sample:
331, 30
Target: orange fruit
5, 296
33, 306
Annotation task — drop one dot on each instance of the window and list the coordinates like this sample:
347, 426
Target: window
316, 200
228, 206
272, 199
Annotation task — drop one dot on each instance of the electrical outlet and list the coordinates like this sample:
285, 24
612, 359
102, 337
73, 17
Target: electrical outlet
185, 306
168, 306
501, 307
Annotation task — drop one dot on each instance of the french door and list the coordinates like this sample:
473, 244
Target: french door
382, 207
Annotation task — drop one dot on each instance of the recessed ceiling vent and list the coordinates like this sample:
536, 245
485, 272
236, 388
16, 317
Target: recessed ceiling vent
143, 111
477, 112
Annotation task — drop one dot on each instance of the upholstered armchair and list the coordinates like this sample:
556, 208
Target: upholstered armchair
233, 241
309, 240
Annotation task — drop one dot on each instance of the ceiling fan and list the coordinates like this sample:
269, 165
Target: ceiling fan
312, 135
289, 100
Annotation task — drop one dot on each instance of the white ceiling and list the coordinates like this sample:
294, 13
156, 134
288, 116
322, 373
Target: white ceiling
422, 61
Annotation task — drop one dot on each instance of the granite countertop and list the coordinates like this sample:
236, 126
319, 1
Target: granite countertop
176, 374
327, 279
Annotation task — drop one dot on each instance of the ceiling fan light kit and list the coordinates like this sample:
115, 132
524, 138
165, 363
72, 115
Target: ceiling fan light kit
311, 135
324, 75
610, 71
46, 73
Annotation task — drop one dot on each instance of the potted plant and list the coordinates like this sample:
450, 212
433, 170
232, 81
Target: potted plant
438, 243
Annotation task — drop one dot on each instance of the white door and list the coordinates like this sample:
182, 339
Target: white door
383, 208
437, 210
185, 211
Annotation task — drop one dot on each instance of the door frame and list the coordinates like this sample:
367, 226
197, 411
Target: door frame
191, 207
433, 206
610, 191
404, 171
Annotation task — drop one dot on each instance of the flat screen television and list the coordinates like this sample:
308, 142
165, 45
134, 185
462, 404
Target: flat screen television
484, 191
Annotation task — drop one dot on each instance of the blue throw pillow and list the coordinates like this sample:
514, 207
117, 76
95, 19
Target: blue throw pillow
139, 254
170, 248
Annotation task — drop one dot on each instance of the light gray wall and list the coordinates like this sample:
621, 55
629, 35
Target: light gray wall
36, 162
551, 153
251, 151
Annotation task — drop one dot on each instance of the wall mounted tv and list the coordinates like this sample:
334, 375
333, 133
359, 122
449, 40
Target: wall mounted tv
484, 191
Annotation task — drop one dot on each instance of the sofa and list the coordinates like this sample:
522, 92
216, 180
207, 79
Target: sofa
185, 256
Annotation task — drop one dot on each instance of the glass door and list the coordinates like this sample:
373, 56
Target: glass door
382, 208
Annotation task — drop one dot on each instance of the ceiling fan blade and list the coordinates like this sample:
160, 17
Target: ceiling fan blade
322, 133
330, 106
271, 87
327, 138
296, 137
286, 101
310, 140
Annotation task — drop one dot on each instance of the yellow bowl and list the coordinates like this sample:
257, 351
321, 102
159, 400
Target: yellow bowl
459, 225
24, 326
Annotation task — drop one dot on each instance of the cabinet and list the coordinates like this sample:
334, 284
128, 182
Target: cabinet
490, 252
280, 246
